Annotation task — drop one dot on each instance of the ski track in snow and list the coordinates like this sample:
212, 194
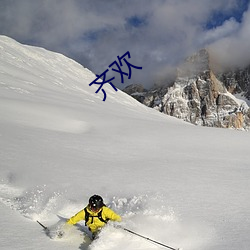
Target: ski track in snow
145, 214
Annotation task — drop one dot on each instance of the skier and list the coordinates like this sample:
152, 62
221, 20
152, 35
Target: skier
95, 214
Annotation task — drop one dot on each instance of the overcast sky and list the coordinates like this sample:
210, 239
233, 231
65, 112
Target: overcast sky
157, 33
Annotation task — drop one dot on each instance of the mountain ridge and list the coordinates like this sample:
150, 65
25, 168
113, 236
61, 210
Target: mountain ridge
201, 95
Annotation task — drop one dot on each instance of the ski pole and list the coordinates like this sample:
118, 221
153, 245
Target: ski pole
45, 228
146, 238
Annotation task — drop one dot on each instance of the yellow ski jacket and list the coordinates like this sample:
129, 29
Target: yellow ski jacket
94, 223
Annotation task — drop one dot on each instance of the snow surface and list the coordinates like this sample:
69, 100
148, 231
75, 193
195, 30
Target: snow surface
182, 185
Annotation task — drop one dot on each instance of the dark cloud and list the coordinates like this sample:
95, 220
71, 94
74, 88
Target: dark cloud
158, 34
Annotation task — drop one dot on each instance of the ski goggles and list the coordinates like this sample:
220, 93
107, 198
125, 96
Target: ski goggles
94, 208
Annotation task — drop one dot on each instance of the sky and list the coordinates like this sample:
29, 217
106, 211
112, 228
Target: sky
158, 34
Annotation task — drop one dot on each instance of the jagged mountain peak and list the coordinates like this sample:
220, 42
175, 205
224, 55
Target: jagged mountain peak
197, 64
202, 97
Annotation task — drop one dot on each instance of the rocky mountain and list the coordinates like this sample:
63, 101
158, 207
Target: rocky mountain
237, 81
201, 96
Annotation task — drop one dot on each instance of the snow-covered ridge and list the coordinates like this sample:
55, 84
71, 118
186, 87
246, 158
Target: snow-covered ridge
37, 75
36, 67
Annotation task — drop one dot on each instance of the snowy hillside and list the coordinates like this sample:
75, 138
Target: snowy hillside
179, 184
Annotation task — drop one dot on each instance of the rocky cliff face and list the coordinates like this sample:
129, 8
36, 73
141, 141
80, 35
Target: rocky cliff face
201, 97
237, 81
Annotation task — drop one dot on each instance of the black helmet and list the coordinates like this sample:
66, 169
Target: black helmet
96, 202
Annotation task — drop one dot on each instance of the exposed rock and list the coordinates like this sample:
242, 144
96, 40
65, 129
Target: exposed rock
201, 97
237, 81
134, 88
137, 91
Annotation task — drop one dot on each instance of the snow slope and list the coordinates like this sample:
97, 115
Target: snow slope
173, 182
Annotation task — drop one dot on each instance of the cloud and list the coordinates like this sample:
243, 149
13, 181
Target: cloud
228, 28
158, 34
233, 49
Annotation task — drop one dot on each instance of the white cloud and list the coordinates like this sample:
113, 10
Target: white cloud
233, 50
228, 28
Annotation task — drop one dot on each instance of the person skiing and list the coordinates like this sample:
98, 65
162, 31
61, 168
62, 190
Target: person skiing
95, 214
